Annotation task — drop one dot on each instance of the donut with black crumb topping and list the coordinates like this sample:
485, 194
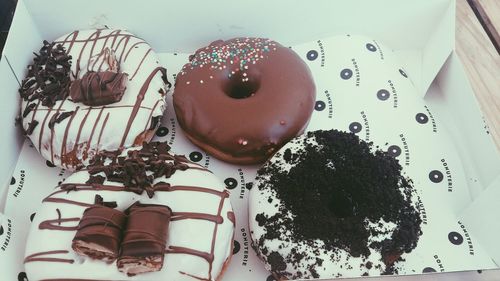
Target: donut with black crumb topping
327, 205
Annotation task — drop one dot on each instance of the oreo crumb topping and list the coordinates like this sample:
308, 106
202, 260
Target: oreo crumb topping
48, 77
335, 189
138, 169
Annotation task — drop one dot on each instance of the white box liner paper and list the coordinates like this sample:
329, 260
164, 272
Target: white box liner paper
361, 88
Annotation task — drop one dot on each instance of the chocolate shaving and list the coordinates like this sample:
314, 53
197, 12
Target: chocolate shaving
31, 127
96, 179
139, 168
143, 246
28, 109
48, 77
58, 118
98, 200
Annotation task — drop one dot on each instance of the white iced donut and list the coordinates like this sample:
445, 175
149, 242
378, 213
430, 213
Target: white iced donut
327, 206
200, 234
69, 122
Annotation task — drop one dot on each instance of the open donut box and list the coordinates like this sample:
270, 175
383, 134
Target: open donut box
420, 32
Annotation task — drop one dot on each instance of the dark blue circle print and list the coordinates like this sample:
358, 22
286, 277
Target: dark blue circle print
320, 105
1, 230
436, 176
355, 127
312, 55
346, 74
394, 151
231, 183
455, 238
421, 118
195, 156
428, 270
371, 48
236, 247
22, 276
383, 94
403, 73
32, 216
162, 131
12, 181
49, 164
270, 278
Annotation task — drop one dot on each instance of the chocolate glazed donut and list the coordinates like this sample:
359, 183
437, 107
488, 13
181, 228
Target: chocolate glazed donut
242, 99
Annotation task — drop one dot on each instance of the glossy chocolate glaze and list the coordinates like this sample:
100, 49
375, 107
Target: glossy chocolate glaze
242, 99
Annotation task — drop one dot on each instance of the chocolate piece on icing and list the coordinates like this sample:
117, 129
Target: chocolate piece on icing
143, 246
99, 88
100, 231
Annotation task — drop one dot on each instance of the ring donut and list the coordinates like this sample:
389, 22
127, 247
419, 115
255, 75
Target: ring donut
327, 206
172, 210
242, 99
90, 91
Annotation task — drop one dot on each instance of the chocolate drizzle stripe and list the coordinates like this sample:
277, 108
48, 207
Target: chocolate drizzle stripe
140, 98
35, 110
55, 224
101, 37
131, 48
93, 46
72, 42
66, 201
42, 128
93, 129
140, 64
193, 276
65, 137
102, 50
102, 129
214, 236
176, 216
42, 256
151, 115
127, 39
209, 257
115, 36
52, 133
107, 106
80, 129
89, 39
159, 187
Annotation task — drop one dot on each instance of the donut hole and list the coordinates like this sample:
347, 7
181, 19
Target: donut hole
241, 86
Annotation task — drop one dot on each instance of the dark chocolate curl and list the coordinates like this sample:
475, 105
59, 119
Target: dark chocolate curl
143, 246
99, 88
99, 233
